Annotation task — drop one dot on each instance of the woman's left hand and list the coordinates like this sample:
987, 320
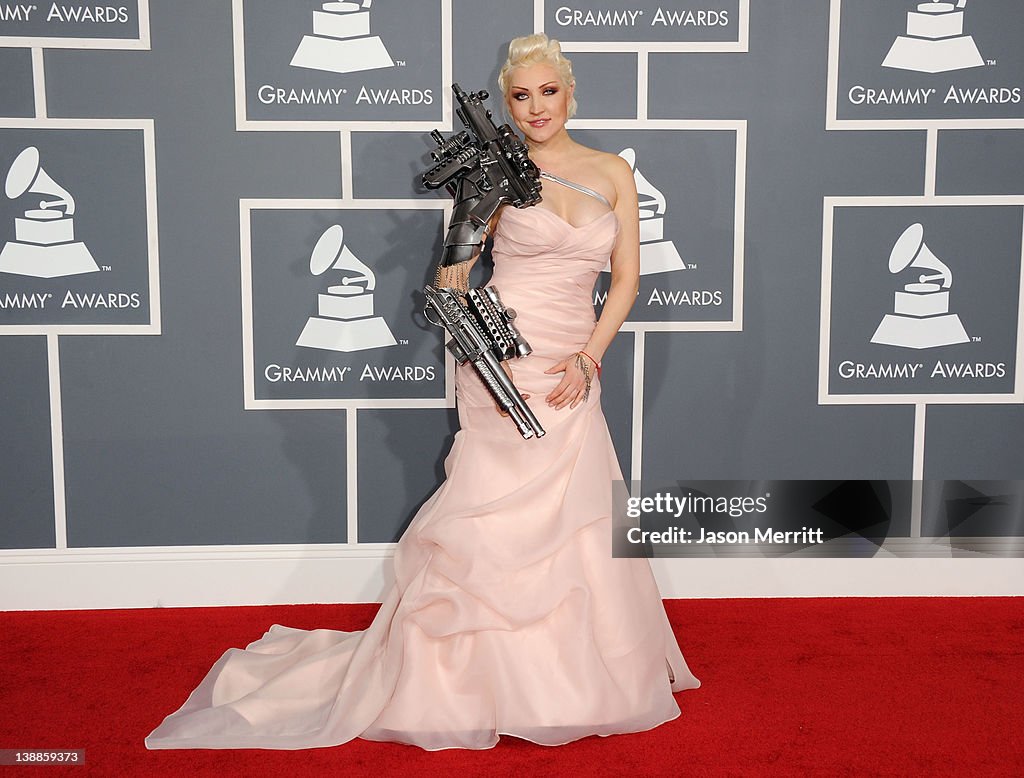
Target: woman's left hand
571, 388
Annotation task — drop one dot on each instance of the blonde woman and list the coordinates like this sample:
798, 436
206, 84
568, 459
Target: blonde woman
508, 614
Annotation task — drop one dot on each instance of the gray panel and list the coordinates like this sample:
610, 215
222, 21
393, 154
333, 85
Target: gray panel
313, 339
72, 20
136, 479
642, 22
982, 442
605, 85
687, 264
980, 299
480, 33
296, 73
982, 84
703, 86
401, 463
389, 164
788, 46
617, 397
104, 171
715, 410
26, 468
980, 162
16, 86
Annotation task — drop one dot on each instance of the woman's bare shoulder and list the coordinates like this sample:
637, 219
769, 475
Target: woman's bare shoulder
607, 164
602, 159
604, 166
620, 170
617, 172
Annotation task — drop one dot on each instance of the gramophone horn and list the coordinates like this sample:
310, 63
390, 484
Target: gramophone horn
651, 198
910, 250
26, 175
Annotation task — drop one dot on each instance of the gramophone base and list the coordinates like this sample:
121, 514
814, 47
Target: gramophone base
933, 56
342, 335
660, 257
27, 259
910, 332
341, 56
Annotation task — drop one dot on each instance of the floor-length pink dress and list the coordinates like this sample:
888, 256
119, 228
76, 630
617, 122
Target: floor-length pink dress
508, 614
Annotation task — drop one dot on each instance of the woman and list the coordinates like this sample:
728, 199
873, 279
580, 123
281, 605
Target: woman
508, 614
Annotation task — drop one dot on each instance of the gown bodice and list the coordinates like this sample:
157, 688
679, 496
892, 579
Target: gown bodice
545, 269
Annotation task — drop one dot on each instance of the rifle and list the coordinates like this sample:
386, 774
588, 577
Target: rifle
482, 172
477, 333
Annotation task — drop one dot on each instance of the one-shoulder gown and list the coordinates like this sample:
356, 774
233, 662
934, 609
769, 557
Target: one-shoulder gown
508, 614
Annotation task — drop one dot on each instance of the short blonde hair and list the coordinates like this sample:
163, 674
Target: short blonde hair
537, 49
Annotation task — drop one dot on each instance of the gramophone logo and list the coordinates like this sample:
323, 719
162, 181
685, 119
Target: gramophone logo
657, 255
935, 40
44, 245
345, 321
922, 318
341, 41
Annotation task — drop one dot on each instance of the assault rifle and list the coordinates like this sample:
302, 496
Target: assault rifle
483, 333
482, 169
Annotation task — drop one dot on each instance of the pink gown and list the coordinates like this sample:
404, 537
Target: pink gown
508, 614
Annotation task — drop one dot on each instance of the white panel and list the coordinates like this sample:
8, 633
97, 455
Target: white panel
143, 579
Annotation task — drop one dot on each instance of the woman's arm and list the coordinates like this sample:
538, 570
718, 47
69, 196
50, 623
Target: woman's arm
457, 276
625, 262
625, 281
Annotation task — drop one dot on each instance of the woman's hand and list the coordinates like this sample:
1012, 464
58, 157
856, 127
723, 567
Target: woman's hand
573, 386
508, 372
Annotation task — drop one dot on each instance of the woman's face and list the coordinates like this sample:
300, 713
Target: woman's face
538, 101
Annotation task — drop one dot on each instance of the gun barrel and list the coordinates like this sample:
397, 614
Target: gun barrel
526, 418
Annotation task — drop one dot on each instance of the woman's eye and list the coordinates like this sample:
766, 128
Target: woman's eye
551, 90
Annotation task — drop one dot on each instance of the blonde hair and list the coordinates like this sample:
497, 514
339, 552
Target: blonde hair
537, 49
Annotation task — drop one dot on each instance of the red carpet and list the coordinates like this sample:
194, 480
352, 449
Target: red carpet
858, 686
